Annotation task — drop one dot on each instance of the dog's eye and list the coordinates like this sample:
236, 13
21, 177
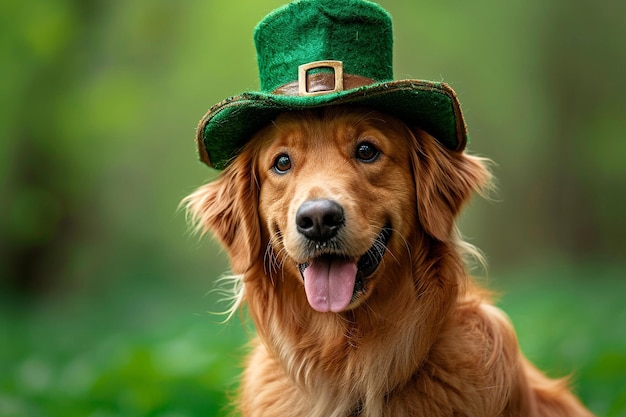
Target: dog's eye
282, 164
366, 152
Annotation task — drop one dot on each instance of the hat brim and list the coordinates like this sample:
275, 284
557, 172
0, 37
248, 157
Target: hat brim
431, 106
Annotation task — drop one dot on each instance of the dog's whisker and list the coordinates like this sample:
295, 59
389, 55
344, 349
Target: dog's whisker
406, 246
267, 258
271, 258
280, 263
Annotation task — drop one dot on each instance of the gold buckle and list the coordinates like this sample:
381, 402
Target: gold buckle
336, 66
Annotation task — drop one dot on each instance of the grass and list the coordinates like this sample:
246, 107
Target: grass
154, 351
572, 321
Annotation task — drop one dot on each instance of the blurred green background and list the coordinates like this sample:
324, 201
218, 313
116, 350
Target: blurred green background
105, 297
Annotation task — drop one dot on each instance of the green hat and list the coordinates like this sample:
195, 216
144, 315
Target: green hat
314, 53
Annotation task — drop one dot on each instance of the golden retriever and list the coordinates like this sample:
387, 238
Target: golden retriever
339, 223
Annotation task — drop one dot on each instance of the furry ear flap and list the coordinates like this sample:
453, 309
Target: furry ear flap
228, 207
444, 181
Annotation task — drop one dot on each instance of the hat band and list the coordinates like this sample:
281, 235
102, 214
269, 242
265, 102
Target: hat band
322, 82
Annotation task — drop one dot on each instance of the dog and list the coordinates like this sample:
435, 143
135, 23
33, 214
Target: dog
339, 223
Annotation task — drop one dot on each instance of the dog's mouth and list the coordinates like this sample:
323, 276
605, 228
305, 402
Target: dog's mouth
333, 281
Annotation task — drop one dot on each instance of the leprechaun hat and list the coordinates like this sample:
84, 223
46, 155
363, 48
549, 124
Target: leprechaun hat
314, 53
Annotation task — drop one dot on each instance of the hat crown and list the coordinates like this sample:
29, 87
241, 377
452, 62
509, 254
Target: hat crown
356, 32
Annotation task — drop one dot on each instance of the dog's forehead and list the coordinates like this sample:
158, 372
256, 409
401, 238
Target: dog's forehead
329, 126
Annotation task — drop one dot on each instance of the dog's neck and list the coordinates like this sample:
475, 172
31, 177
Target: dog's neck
317, 348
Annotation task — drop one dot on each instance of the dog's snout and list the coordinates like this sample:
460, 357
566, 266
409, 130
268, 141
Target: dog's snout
319, 220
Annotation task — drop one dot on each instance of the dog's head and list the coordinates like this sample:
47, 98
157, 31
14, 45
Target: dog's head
333, 197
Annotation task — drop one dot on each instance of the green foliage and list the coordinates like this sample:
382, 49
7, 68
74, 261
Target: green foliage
132, 360
569, 324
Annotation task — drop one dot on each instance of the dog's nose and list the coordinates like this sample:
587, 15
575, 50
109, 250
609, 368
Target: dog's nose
319, 220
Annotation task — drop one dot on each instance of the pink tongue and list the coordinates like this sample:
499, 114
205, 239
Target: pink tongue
329, 284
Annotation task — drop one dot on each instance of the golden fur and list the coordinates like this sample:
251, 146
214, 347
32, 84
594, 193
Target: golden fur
423, 339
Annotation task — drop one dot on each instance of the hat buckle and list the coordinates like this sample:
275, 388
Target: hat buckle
303, 74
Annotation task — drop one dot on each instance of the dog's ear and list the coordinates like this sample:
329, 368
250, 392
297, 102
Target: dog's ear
444, 180
228, 207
